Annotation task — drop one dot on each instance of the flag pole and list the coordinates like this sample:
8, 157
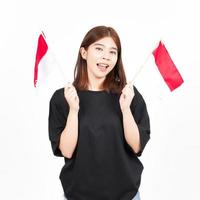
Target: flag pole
143, 65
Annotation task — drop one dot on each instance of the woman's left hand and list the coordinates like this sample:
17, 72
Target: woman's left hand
126, 96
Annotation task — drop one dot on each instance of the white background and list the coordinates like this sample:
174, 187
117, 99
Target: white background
28, 169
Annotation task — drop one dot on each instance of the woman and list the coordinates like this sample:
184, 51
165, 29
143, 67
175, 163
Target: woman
99, 124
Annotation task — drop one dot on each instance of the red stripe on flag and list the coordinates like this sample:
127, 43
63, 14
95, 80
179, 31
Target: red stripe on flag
41, 50
167, 67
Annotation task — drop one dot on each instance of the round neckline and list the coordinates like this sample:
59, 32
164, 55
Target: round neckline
93, 91
87, 91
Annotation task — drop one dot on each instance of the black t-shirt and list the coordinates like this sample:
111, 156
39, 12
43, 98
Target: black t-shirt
103, 165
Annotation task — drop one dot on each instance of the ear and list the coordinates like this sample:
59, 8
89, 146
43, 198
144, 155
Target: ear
83, 53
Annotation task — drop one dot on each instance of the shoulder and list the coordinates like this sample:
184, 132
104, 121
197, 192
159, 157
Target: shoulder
57, 97
138, 106
138, 96
138, 100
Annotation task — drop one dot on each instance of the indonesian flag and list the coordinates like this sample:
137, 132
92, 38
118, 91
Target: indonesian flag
167, 68
47, 71
41, 51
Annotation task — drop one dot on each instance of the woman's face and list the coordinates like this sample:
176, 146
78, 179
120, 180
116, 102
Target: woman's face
101, 57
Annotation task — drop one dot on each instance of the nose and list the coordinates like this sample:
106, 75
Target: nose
106, 56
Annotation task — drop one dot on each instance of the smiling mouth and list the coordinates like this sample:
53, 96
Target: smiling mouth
102, 65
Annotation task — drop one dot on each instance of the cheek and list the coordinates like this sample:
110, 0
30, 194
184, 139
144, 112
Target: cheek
113, 65
91, 58
114, 61
94, 57
95, 53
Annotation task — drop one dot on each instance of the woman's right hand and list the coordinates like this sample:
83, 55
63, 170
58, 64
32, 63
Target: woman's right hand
71, 96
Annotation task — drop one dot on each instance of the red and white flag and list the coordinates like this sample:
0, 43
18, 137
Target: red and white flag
167, 68
47, 71
42, 48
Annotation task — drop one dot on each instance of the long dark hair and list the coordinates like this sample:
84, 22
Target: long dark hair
116, 79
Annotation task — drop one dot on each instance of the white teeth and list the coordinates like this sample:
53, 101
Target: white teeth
102, 65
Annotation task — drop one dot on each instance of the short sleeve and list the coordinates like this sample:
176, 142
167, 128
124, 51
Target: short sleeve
57, 120
140, 114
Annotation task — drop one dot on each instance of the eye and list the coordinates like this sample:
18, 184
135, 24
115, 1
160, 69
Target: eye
99, 49
113, 52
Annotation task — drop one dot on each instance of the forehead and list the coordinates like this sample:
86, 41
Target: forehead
107, 42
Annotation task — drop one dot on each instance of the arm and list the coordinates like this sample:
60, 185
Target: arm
135, 119
131, 130
69, 136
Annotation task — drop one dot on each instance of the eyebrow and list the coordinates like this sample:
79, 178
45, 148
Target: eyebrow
95, 44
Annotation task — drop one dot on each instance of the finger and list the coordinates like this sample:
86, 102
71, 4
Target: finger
129, 85
74, 96
129, 88
71, 93
68, 85
67, 92
129, 93
69, 89
126, 88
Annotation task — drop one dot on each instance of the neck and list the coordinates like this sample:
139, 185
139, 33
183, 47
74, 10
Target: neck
95, 85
